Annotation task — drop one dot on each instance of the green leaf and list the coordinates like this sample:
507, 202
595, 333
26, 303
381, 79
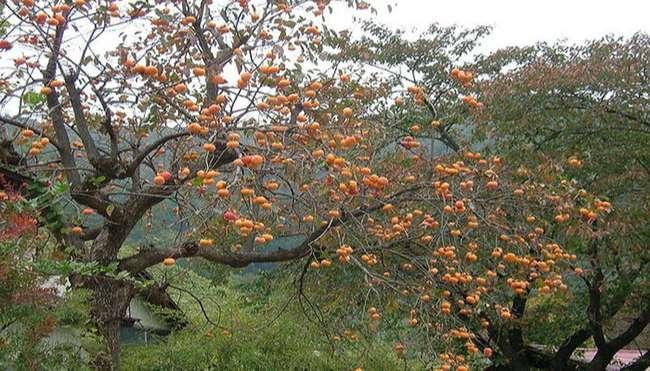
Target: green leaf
60, 187
33, 99
98, 180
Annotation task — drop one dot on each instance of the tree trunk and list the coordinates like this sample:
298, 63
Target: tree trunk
111, 299
516, 357
601, 360
109, 359
510, 365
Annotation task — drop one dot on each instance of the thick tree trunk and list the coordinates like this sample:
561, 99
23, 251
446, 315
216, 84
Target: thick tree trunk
516, 356
601, 360
109, 359
111, 299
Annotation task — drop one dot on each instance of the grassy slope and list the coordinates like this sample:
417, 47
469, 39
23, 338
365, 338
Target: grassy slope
253, 329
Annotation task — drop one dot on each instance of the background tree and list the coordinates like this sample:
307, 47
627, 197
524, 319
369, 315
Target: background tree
587, 106
528, 93
420, 98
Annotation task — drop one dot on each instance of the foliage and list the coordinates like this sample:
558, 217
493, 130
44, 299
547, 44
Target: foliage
390, 60
584, 105
29, 310
258, 325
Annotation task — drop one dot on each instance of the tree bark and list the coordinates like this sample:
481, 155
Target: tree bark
602, 359
109, 360
110, 301
563, 355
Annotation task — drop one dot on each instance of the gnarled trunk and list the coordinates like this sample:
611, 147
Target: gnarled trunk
110, 301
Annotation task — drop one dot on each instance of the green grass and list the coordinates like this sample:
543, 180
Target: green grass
253, 327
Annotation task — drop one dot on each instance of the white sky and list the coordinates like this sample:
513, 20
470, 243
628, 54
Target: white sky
520, 22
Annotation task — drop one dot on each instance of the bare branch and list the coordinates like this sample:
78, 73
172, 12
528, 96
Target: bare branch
56, 113
152, 147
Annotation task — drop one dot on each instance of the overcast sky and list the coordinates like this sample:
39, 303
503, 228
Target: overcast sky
521, 22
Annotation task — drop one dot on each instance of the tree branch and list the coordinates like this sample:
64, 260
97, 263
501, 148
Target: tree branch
142, 154
80, 120
143, 260
594, 313
607, 351
444, 135
21, 125
107, 123
563, 354
635, 328
56, 113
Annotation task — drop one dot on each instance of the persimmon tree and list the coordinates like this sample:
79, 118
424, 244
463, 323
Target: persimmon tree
461, 259
131, 105
586, 106
571, 93
209, 112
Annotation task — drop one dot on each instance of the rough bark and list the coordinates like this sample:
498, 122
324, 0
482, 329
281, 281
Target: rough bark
111, 299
